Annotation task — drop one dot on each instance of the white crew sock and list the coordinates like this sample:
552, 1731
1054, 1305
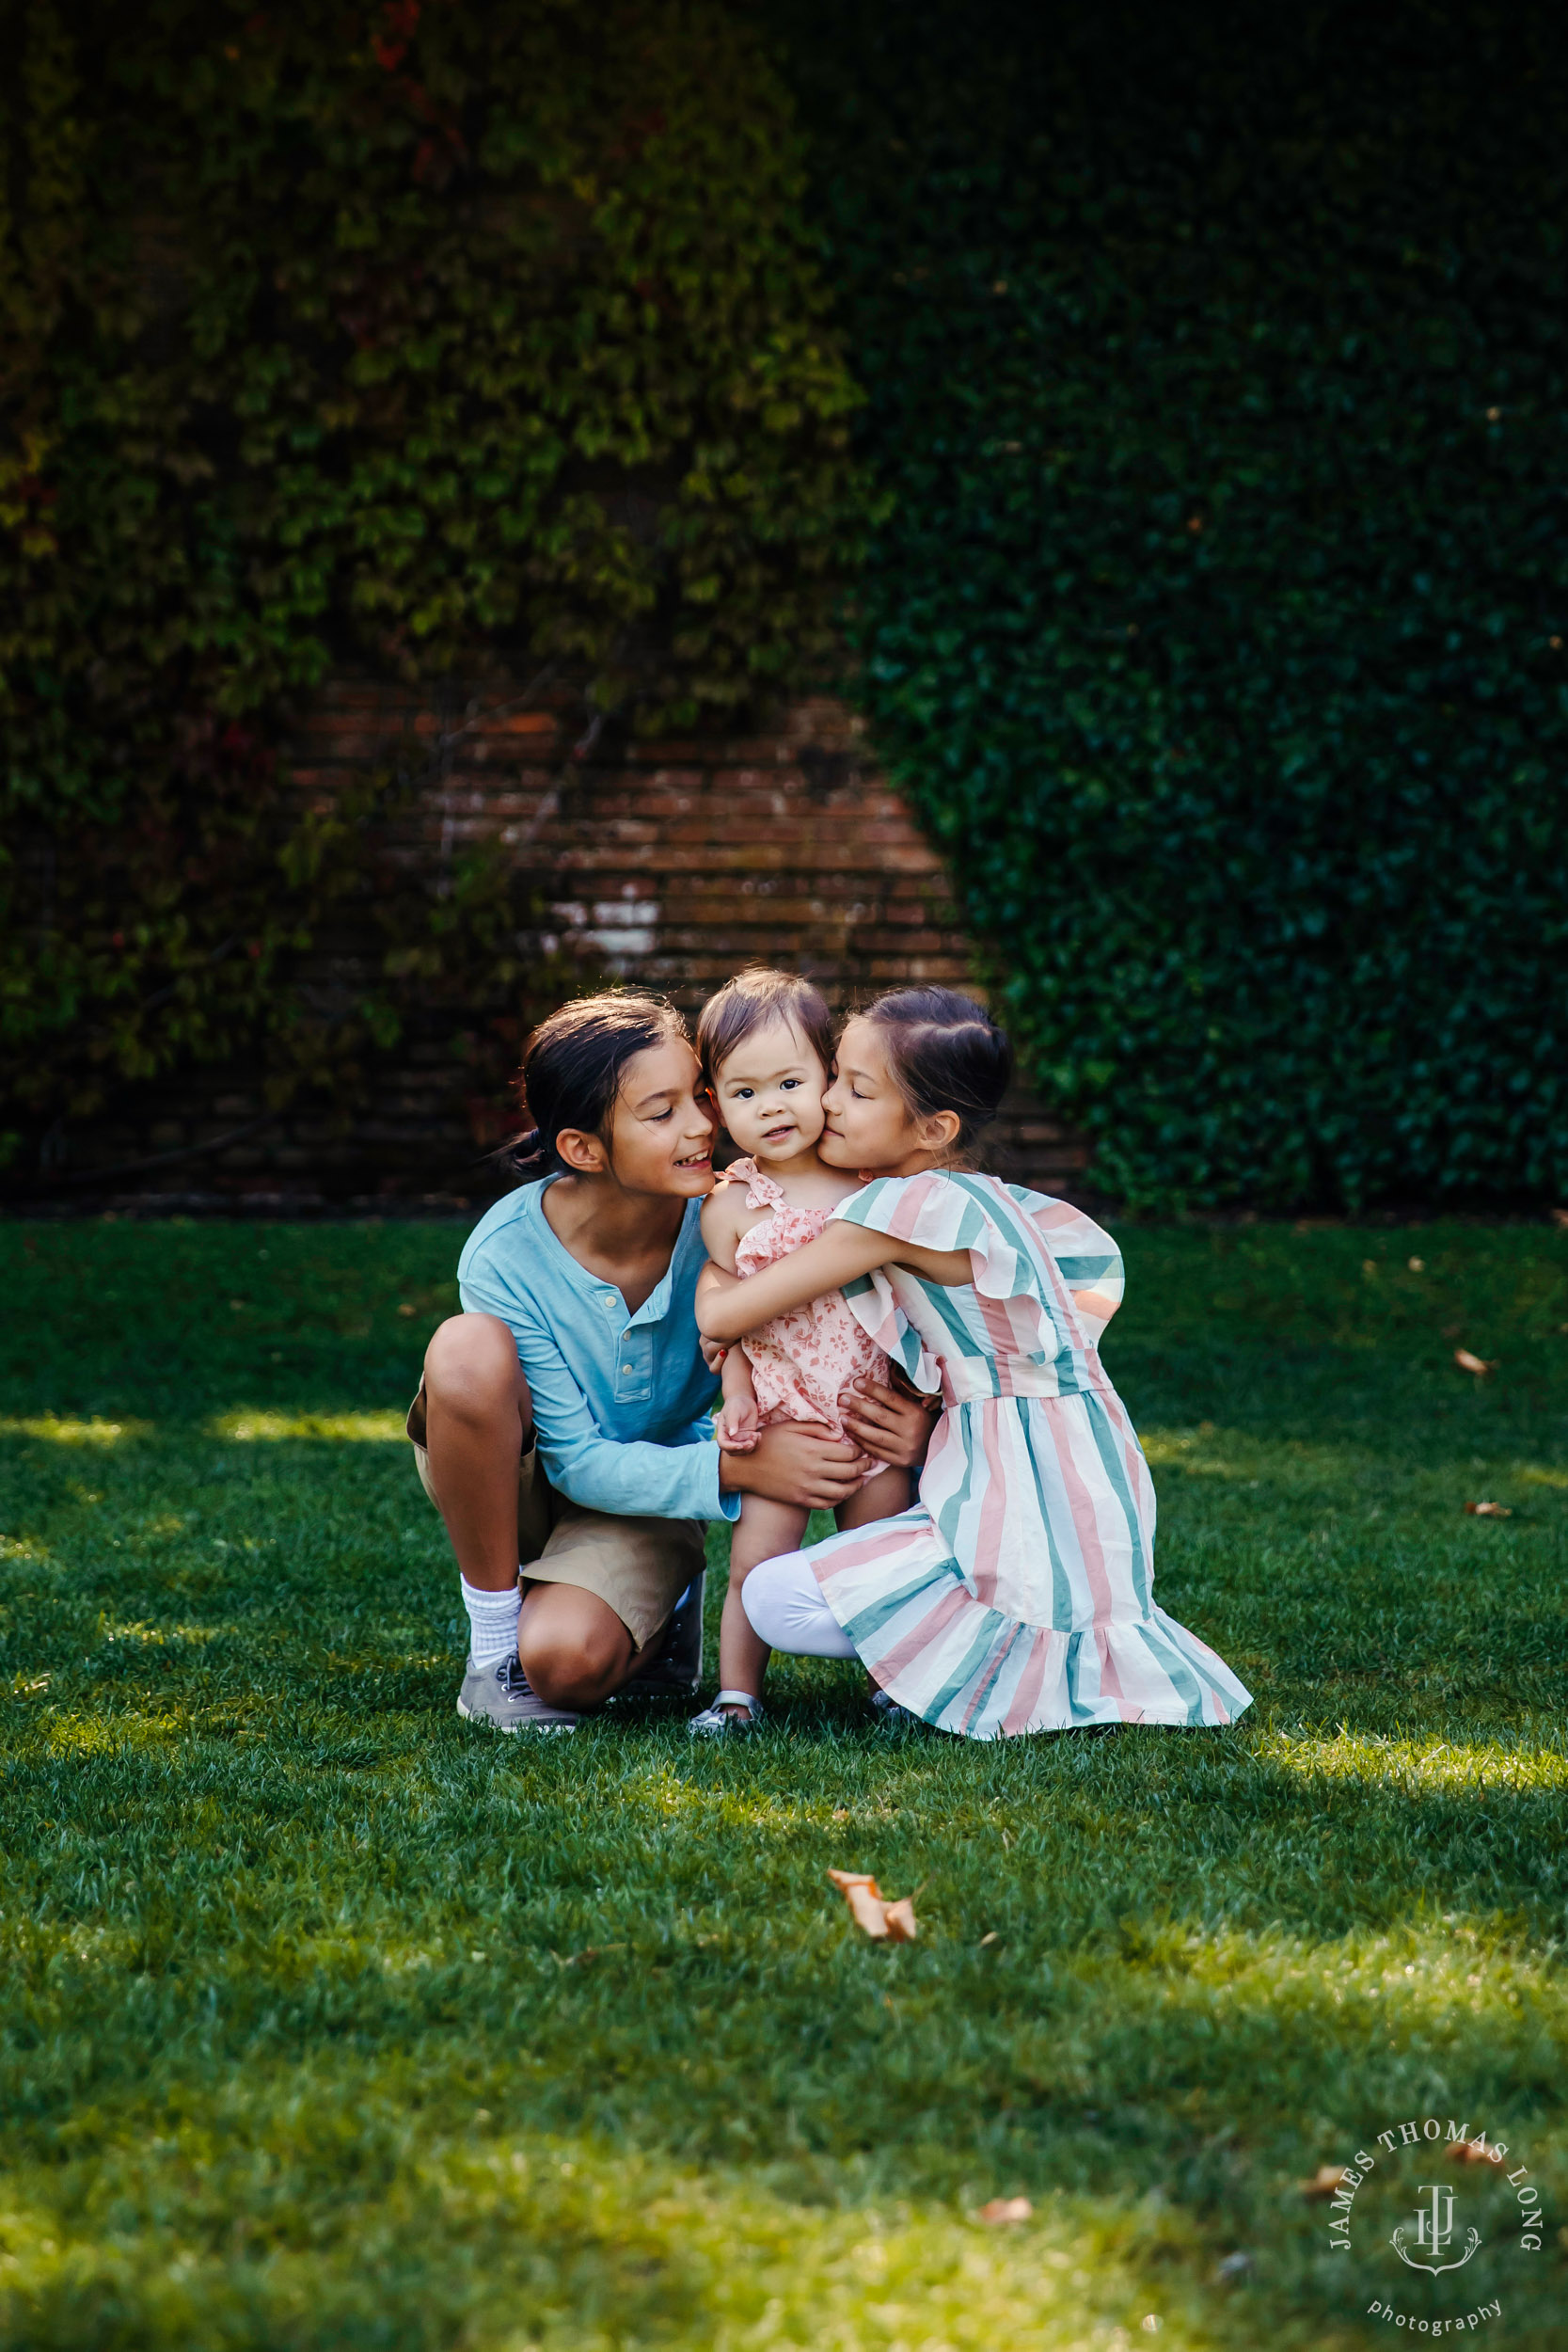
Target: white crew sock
492, 1622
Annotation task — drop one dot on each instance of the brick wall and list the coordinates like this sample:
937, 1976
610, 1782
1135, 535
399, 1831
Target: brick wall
667, 865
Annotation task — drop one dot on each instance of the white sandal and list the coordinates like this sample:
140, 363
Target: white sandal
716, 1722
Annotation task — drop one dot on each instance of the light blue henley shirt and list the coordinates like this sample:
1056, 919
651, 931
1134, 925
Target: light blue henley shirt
620, 1402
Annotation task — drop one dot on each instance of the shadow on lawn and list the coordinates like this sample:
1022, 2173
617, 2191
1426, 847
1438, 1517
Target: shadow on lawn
1155, 1968
308, 1983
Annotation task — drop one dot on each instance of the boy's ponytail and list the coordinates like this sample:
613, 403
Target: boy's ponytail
946, 1054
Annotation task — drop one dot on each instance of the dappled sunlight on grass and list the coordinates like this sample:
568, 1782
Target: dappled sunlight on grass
644, 2252
1349, 1477
81, 1944
1417, 1765
667, 1793
337, 2023
93, 1735
1223, 1453
337, 1429
26, 1552
1238, 1454
145, 1636
123, 1732
58, 1429
1403, 1978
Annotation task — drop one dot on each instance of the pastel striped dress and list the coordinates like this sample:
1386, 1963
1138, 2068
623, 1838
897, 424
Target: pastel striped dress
1017, 1595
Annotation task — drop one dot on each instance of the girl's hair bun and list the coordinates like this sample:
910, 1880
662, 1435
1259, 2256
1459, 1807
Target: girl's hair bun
946, 1054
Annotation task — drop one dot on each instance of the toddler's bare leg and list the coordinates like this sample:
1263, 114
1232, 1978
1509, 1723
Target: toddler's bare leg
764, 1528
880, 1498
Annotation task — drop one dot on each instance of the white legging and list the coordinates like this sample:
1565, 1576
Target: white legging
783, 1601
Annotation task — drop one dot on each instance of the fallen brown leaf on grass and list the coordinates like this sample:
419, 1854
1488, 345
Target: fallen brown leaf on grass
1559, 1217
1489, 1510
884, 1922
1005, 2209
1477, 1364
1469, 2152
1325, 2181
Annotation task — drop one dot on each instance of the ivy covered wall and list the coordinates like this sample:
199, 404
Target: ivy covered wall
395, 335
1156, 415
1216, 364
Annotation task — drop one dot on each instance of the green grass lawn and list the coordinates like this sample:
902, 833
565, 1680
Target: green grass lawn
330, 2020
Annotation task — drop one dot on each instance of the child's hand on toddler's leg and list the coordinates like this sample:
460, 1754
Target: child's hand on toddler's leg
736, 1428
738, 1405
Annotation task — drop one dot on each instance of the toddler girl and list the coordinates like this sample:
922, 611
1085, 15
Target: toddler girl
764, 1043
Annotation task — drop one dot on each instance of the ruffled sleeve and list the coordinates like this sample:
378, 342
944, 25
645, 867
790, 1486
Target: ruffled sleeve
1028, 1254
1082, 1251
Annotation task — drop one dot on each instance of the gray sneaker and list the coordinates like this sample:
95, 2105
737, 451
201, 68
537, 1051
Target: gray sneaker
503, 1697
679, 1667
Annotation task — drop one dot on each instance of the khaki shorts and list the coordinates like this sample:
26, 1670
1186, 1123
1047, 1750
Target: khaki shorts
639, 1567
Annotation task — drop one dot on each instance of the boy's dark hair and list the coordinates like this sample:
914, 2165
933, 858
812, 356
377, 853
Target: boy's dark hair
573, 1066
946, 1054
748, 1002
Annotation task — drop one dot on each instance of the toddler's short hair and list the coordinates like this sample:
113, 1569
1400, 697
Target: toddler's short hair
748, 1003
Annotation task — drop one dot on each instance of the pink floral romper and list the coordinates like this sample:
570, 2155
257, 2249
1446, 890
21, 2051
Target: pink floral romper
802, 1361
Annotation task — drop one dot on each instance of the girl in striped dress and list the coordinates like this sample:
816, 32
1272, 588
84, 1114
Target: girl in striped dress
1017, 1594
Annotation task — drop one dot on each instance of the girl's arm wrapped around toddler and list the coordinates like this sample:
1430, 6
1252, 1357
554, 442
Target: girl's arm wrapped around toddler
727, 1308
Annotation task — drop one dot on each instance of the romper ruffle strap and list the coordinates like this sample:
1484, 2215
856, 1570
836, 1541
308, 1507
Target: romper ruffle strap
762, 1192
